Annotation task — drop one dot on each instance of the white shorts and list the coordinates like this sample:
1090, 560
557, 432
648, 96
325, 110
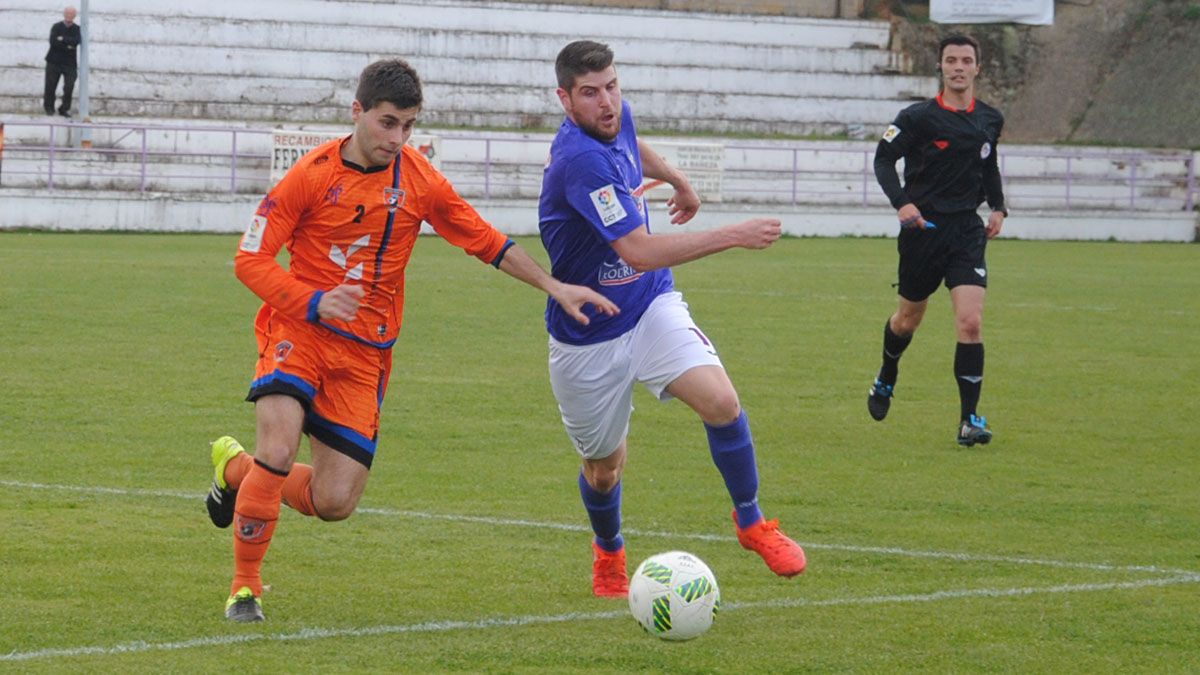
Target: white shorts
594, 383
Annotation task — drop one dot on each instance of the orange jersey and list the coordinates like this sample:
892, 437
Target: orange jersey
345, 224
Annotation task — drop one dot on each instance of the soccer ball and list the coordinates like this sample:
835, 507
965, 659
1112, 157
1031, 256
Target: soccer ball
674, 596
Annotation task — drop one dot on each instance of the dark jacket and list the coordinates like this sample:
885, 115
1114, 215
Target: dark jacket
64, 42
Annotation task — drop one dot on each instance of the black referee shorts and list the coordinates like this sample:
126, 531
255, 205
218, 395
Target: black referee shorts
952, 252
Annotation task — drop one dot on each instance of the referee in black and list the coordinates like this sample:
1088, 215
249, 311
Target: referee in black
949, 148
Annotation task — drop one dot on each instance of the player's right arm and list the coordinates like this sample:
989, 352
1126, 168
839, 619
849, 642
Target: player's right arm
895, 144
256, 266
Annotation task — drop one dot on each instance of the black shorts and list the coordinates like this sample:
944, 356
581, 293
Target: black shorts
952, 252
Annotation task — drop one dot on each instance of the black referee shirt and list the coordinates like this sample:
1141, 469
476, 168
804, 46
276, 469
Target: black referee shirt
949, 157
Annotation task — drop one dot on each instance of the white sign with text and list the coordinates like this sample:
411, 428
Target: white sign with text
1033, 12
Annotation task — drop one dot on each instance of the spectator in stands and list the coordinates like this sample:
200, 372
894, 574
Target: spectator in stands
949, 148
61, 62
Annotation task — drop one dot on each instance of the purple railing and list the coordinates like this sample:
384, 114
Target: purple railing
784, 173
59, 151
1041, 186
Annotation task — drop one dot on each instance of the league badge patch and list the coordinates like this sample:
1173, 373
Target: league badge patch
608, 207
892, 132
985, 151
252, 239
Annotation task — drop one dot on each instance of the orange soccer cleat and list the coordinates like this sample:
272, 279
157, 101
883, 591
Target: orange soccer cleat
782, 555
609, 579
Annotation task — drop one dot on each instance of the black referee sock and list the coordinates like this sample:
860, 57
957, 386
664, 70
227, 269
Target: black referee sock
893, 347
968, 372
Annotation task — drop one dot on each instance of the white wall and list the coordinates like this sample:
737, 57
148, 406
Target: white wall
60, 209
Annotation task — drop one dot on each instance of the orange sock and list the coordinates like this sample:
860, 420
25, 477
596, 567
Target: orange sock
297, 490
237, 468
254, 517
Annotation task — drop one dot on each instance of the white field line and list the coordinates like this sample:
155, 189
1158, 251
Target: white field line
305, 634
565, 527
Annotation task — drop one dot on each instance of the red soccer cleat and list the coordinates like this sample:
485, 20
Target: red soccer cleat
609, 579
782, 555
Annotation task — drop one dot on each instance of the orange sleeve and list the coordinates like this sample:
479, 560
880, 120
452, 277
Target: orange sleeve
255, 264
459, 223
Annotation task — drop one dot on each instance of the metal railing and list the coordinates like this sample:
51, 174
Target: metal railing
125, 144
1061, 186
791, 172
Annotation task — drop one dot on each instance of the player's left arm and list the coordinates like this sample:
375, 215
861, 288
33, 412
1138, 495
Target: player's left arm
682, 205
515, 262
993, 189
461, 225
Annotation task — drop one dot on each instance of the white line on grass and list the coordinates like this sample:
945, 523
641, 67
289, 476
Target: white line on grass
305, 634
542, 525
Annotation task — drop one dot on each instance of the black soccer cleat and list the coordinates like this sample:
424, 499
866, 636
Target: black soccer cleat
974, 430
221, 498
879, 399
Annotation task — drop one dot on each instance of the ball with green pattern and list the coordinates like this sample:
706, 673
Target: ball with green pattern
674, 595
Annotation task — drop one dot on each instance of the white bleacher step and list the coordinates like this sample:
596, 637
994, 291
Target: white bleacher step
508, 76
277, 58
626, 25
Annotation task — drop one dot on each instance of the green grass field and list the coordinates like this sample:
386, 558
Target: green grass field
1067, 545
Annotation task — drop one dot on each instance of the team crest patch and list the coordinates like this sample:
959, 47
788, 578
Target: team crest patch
282, 350
394, 198
892, 132
250, 529
252, 239
608, 207
985, 150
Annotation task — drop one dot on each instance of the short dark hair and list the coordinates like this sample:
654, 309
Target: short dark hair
580, 58
960, 40
391, 80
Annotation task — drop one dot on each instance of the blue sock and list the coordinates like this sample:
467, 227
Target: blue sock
733, 452
604, 510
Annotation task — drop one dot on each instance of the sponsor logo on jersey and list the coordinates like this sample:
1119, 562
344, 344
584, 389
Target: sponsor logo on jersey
608, 207
282, 350
252, 239
394, 198
617, 274
985, 150
942, 145
341, 257
892, 132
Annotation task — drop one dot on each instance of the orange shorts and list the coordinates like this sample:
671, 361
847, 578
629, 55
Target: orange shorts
340, 382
